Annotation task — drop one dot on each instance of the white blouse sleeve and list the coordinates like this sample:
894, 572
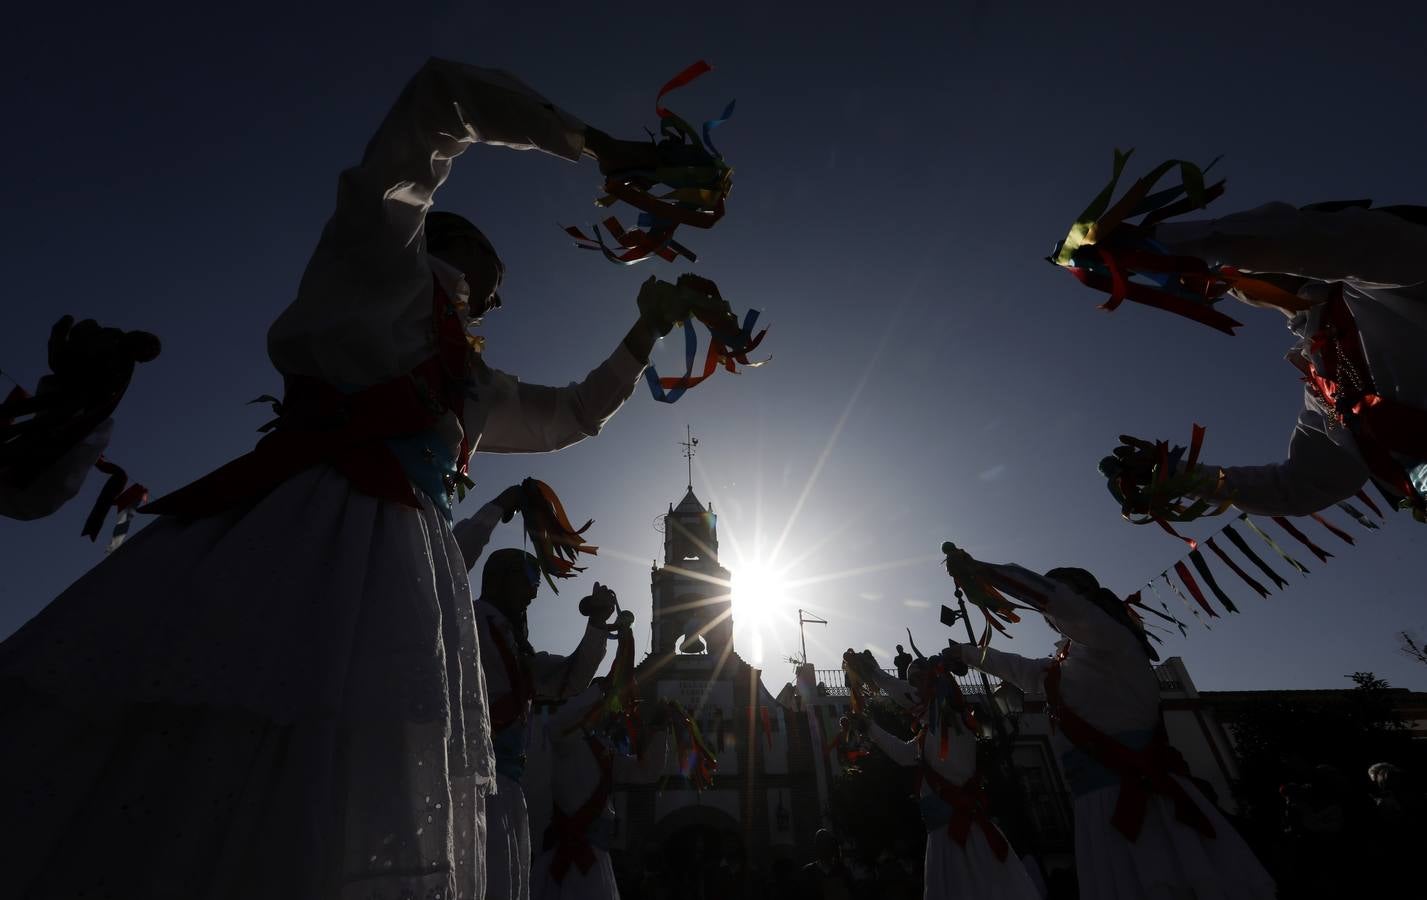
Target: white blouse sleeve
1317, 474
903, 753
1026, 674
533, 418
472, 534
363, 309
60, 481
1354, 244
556, 677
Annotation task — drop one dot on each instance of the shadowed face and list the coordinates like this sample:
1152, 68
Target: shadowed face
458, 243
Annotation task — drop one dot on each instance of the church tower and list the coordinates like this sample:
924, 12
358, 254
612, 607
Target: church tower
693, 611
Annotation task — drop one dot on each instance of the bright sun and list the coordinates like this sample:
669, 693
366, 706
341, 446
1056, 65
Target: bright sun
759, 598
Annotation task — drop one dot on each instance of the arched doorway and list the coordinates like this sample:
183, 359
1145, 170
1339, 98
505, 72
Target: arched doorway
702, 853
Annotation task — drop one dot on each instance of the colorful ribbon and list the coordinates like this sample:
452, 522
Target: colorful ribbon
729, 343
1183, 572
1244, 548
1358, 516
556, 543
1300, 537
1234, 567
1302, 569
973, 584
1202, 567
689, 165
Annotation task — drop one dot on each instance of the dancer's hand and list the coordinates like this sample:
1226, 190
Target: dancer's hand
599, 604
614, 155
511, 500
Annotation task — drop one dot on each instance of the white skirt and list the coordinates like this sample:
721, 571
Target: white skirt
596, 884
507, 843
954, 871
282, 701
1170, 859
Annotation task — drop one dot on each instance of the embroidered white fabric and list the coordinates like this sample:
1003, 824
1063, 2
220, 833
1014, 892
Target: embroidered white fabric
283, 701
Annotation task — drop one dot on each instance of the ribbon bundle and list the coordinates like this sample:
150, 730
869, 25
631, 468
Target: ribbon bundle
1157, 483
1195, 587
557, 543
979, 592
696, 762
729, 343
1107, 253
693, 170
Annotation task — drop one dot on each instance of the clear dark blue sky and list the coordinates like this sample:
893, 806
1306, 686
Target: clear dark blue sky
901, 172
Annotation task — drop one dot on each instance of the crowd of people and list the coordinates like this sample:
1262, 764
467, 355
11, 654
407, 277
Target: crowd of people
313, 702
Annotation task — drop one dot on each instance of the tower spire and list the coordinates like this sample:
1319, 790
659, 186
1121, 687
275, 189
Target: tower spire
691, 446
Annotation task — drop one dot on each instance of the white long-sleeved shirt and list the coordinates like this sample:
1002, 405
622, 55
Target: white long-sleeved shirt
1106, 679
60, 481
474, 532
960, 762
1381, 260
575, 772
363, 311
553, 676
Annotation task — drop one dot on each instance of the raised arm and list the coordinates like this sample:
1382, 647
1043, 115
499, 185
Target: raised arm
903, 753
572, 712
898, 690
558, 676
474, 533
363, 310
1077, 618
532, 418
1317, 474
1026, 674
1353, 244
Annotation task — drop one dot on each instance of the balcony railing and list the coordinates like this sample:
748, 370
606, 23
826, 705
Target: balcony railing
832, 680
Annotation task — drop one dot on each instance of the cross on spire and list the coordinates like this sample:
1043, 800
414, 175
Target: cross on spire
691, 446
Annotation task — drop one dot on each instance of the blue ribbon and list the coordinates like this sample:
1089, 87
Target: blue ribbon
691, 347
711, 124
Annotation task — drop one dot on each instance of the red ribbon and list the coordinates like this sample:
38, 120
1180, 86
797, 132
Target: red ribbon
1142, 772
968, 807
1323, 555
1224, 557
1189, 582
1343, 535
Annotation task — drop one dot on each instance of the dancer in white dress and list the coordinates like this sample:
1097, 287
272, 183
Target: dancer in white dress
966, 855
1352, 282
515, 676
51, 441
592, 752
275, 691
1142, 829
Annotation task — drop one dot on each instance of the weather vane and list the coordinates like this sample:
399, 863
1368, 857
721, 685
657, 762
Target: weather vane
691, 446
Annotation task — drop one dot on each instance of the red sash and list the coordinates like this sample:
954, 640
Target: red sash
1340, 377
319, 424
967, 802
512, 706
1142, 772
569, 835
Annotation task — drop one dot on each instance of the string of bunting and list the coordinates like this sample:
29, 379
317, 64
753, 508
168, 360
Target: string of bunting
1182, 576
556, 543
690, 166
1108, 253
